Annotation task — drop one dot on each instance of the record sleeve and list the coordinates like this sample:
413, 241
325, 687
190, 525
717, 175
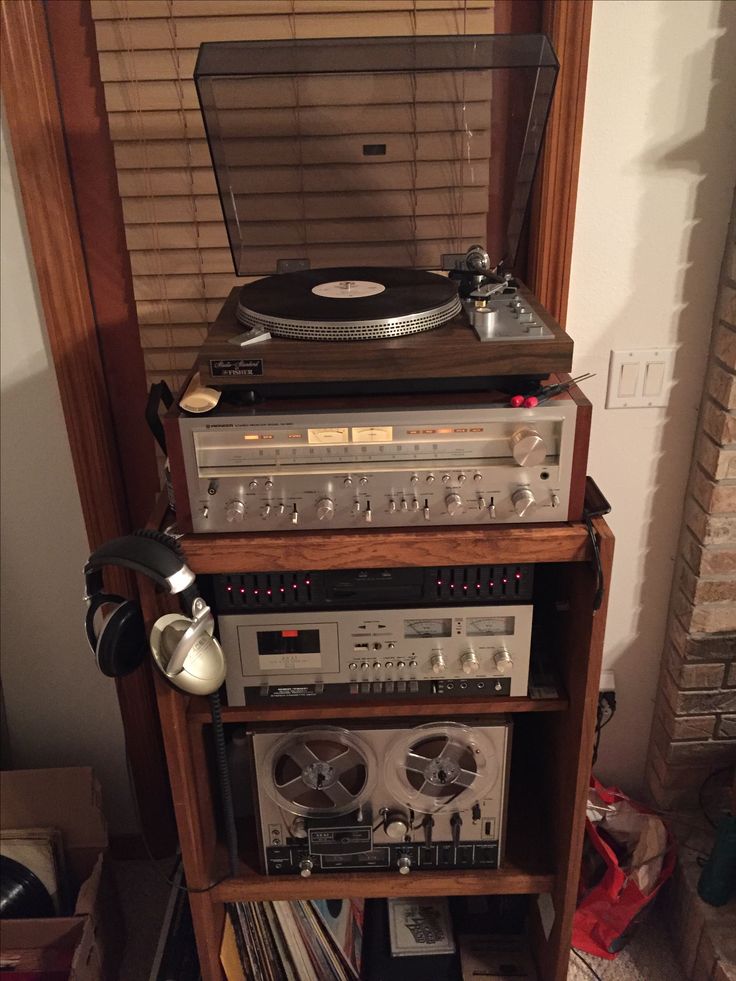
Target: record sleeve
420, 926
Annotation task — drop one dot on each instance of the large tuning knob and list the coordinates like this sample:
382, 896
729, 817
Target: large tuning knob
469, 662
234, 511
454, 504
325, 509
437, 662
522, 499
503, 661
527, 447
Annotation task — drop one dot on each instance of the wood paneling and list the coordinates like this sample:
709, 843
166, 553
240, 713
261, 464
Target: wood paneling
568, 24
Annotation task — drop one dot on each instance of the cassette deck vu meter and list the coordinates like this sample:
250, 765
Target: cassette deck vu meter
411, 463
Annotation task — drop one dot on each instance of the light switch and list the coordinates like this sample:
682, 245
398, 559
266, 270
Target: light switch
640, 378
653, 378
627, 380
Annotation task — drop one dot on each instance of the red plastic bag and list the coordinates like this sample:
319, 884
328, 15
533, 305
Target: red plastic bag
608, 903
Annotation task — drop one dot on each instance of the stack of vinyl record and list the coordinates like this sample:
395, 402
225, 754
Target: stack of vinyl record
316, 940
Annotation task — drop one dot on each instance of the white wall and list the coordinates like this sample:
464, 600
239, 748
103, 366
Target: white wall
60, 710
657, 172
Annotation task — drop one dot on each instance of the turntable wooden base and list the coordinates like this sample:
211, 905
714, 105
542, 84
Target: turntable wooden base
449, 358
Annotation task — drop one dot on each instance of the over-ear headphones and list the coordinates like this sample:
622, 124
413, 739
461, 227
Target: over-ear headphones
183, 647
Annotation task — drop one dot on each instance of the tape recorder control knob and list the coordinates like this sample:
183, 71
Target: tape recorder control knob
438, 662
469, 662
522, 499
305, 867
325, 509
396, 825
503, 661
404, 865
454, 504
528, 447
234, 511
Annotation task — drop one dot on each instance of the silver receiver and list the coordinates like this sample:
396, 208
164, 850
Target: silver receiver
260, 471
459, 651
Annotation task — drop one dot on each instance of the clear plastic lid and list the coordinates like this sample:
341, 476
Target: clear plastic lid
374, 151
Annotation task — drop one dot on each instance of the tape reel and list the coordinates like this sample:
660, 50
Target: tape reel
320, 771
441, 764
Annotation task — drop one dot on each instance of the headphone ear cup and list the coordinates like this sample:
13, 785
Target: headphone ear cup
122, 645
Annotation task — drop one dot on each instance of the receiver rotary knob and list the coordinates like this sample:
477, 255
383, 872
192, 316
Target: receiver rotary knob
527, 447
396, 825
469, 662
305, 867
438, 662
234, 511
503, 661
325, 509
454, 504
522, 499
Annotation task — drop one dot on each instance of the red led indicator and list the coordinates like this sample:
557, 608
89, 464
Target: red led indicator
465, 587
242, 590
307, 582
289, 633
255, 592
294, 586
229, 589
490, 585
268, 592
282, 590
504, 581
518, 575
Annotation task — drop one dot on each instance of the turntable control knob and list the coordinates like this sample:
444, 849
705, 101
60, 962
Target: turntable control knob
503, 661
454, 504
396, 825
438, 663
527, 447
234, 511
305, 867
325, 509
522, 499
469, 662
404, 865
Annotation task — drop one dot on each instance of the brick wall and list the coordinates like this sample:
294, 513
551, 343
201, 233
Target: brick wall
694, 727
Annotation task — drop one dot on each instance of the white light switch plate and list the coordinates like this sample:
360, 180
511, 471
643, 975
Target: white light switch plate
640, 378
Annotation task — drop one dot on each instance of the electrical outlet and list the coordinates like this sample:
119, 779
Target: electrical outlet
640, 378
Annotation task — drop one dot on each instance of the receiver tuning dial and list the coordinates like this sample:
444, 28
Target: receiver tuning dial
522, 499
528, 447
325, 509
234, 511
454, 504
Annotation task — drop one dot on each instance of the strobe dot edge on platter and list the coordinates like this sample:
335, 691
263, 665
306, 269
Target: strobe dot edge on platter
348, 304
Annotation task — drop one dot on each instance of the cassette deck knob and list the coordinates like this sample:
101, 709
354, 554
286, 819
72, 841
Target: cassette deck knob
527, 447
234, 511
404, 865
522, 499
305, 867
454, 504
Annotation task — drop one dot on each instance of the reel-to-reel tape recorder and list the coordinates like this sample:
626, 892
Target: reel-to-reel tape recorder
382, 798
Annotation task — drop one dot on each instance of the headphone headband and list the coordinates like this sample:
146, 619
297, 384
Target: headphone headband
156, 555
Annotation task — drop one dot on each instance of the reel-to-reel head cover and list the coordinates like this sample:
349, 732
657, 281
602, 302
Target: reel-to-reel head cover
435, 800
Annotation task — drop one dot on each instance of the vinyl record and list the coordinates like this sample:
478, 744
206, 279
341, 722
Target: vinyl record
22, 894
319, 771
441, 764
348, 304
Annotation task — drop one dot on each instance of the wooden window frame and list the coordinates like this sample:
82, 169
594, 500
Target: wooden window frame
58, 127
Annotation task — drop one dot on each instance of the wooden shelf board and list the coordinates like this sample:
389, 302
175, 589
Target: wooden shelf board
199, 710
367, 548
370, 885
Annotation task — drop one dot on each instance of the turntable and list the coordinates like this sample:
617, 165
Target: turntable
357, 177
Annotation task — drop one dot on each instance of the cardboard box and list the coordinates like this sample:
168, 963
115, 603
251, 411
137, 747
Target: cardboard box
87, 944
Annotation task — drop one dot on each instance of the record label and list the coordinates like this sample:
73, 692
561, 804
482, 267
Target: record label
348, 289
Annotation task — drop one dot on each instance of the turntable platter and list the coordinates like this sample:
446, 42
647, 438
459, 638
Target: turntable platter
348, 304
